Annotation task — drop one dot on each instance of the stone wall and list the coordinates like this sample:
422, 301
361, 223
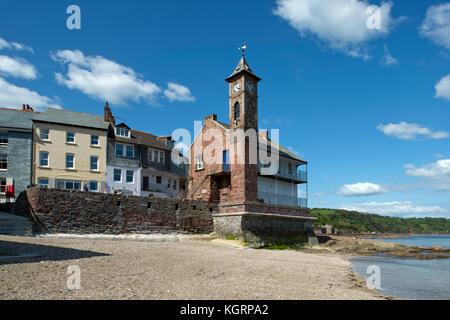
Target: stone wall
62, 211
261, 229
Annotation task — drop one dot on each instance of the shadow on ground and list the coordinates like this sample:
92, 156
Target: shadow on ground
12, 252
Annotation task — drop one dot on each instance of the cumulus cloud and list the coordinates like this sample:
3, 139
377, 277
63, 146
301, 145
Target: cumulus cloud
436, 25
103, 79
360, 189
178, 92
17, 67
443, 88
395, 208
14, 45
438, 173
410, 131
13, 96
342, 24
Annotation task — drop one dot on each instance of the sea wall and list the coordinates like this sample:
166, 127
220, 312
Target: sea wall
62, 211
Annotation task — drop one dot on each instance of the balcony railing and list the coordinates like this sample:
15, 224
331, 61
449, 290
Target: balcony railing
298, 175
283, 199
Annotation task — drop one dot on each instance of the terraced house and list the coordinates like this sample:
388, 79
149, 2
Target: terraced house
69, 150
15, 151
139, 163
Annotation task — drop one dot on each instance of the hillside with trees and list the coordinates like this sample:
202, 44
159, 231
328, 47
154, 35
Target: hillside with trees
357, 222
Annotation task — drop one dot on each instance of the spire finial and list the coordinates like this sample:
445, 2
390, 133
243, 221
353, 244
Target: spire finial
242, 49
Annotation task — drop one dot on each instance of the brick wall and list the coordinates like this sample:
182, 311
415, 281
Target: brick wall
62, 211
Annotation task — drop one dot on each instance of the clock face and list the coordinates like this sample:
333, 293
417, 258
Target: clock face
237, 87
251, 87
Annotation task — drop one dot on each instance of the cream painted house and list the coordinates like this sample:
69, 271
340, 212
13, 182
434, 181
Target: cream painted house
69, 150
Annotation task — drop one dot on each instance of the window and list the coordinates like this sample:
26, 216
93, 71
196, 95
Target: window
93, 186
43, 183
3, 162
129, 177
290, 168
2, 185
130, 151
70, 137
68, 184
70, 161
94, 163
45, 134
94, 140
237, 111
123, 132
158, 179
119, 150
163, 157
3, 138
174, 184
168, 183
43, 159
117, 175
199, 162
153, 155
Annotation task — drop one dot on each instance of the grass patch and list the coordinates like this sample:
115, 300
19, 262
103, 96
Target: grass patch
275, 246
232, 237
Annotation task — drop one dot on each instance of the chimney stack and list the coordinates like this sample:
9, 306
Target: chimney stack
108, 117
264, 134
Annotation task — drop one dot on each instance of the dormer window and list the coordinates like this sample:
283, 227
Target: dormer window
237, 111
123, 132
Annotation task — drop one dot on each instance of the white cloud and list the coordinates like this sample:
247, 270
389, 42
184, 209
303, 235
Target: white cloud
443, 88
13, 96
395, 208
14, 46
342, 24
438, 173
410, 131
360, 189
389, 60
17, 67
436, 25
178, 92
103, 79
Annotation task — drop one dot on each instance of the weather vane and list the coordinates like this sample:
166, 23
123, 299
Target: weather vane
243, 48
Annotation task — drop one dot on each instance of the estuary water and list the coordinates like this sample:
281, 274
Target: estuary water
410, 278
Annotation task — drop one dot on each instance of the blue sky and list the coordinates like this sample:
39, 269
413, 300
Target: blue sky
369, 109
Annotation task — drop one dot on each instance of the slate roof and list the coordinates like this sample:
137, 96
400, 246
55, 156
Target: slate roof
281, 150
144, 138
243, 67
72, 118
17, 119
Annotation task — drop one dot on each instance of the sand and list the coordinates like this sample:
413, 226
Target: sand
183, 269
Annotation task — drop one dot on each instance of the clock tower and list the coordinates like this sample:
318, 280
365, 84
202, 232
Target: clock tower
243, 97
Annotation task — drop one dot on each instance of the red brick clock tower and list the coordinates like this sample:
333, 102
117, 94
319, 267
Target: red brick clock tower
243, 108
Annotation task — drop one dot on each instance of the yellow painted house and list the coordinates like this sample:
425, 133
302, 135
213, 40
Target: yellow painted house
69, 150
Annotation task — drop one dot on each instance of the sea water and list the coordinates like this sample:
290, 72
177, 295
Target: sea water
410, 278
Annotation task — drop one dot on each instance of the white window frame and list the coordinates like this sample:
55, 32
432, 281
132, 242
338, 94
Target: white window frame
126, 151
123, 132
98, 140
114, 175
73, 161
199, 165
153, 155
67, 137
6, 161
41, 131
93, 190
43, 185
123, 149
40, 159
126, 176
96, 163
3, 185
5, 133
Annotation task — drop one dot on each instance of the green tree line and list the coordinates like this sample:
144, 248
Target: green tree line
357, 222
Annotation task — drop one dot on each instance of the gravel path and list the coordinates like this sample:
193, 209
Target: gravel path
171, 270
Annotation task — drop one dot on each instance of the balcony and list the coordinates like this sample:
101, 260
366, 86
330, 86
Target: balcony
297, 177
282, 199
